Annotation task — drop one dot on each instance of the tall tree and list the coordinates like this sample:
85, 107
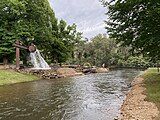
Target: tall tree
38, 24
99, 50
11, 10
135, 23
34, 21
68, 37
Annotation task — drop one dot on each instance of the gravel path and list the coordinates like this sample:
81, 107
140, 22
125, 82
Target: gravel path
135, 107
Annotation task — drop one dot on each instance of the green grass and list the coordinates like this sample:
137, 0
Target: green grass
152, 84
10, 77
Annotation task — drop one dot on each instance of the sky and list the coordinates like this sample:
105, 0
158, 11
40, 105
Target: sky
88, 15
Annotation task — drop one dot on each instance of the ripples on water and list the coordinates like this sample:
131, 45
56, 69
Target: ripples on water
89, 97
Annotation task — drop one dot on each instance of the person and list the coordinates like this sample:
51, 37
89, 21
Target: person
103, 65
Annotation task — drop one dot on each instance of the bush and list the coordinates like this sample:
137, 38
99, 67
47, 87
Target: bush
135, 62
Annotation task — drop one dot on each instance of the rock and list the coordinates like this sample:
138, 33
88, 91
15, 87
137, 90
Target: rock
52, 73
66, 72
102, 70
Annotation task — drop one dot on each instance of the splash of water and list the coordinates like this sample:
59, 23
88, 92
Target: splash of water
38, 61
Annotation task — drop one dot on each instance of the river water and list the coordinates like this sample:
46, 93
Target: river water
88, 97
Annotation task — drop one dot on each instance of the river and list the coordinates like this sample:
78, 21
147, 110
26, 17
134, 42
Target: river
89, 97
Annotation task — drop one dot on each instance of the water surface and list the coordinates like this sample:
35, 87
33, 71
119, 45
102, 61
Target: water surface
88, 97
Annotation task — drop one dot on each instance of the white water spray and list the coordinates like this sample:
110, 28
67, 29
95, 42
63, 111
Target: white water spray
38, 61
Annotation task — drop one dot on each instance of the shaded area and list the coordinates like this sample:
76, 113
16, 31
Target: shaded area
89, 97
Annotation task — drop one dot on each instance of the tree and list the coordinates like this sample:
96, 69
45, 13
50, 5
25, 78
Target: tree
103, 50
68, 37
9, 15
34, 21
135, 23
99, 50
38, 25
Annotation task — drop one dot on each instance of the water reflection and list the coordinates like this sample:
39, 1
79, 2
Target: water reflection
90, 97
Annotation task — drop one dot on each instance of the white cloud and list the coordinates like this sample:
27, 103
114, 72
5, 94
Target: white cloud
89, 15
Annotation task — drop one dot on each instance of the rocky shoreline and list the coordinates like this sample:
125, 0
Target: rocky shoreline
135, 107
51, 73
60, 72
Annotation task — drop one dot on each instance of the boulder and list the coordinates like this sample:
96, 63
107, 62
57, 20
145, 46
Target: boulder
67, 72
102, 70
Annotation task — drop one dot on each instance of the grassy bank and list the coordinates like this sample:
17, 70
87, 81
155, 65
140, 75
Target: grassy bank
10, 77
152, 84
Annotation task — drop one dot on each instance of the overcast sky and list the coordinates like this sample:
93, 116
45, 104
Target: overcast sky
89, 15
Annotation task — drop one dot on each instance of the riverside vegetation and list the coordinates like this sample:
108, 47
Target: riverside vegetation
10, 77
152, 84
58, 41
133, 27
136, 104
143, 101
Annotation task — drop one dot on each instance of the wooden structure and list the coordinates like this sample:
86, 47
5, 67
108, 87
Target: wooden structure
18, 45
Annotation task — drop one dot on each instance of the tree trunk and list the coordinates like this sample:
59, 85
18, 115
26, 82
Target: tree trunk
157, 67
5, 60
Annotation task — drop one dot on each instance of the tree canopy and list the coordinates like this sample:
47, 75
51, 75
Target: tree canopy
102, 50
135, 23
99, 50
35, 21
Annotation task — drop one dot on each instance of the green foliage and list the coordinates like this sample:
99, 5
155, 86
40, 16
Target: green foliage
68, 38
135, 23
135, 61
103, 50
96, 52
9, 15
34, 21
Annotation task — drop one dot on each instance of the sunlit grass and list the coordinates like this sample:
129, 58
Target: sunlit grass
10, 77
152, 84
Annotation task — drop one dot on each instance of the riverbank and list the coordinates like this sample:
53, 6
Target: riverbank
61, 72
11, 76
143, 99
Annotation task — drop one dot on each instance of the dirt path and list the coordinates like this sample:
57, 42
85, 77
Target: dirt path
135, 107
